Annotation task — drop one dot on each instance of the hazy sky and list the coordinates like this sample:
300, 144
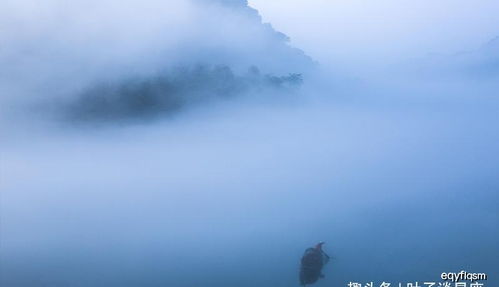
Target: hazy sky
382, 30
231, 191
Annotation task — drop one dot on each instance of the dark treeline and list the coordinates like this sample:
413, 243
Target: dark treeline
170, 91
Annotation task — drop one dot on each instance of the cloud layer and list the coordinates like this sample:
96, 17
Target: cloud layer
57, 51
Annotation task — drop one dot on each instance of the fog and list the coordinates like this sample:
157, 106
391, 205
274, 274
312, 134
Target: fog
376, 33
268, 150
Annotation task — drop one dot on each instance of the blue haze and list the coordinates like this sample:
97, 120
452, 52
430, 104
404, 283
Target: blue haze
398, 173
